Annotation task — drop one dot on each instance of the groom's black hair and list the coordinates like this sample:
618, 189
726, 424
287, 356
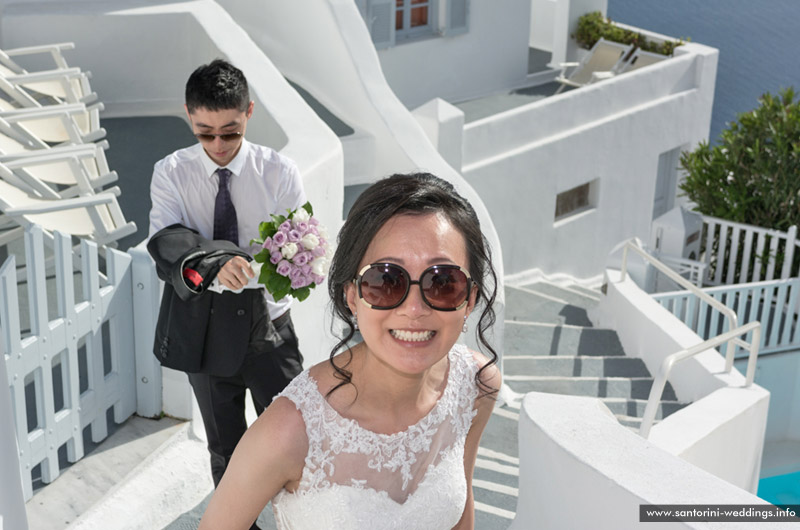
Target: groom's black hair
217, 86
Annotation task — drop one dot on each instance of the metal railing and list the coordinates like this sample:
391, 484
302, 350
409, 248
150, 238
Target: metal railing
666, 367
730, 337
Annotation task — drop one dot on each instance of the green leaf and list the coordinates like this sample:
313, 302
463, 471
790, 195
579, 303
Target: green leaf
302, 293
262, 256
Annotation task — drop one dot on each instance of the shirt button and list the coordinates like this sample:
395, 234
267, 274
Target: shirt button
240, 312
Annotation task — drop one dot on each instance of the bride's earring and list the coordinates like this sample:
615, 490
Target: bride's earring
465, 328
355, 321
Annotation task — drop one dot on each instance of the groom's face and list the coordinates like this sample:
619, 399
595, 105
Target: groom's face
220, 131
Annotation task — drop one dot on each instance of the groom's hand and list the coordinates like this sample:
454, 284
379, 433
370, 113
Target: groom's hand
236, 273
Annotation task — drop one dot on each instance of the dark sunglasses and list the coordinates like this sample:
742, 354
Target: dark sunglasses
225, 137
386, 286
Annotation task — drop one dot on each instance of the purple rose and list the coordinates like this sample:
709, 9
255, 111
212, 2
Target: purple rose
294, 236
295, 273
285, 226
301, 226
313, 221
316, 278
319, 251
306, 269
268, 244
300, 282
275, 256
301, 258
284, 268
279, 239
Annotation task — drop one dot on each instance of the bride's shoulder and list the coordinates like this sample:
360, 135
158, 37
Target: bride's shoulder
489, 374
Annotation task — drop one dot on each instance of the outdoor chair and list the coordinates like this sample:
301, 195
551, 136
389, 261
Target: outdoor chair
62, 83
73, 123
602, 62
640, 59
96, 217
59, 172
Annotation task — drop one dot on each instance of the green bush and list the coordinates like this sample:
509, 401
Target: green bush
753, 175
593, 26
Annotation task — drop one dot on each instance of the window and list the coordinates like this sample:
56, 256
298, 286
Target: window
576, 200
395, 21
411, 18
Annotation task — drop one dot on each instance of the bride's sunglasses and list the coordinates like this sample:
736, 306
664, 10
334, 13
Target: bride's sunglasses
386, 286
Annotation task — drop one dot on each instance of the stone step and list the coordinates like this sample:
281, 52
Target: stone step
635, 407
630, 421
562, 365
596, 293
536, 338
616, 387
567, 294
533, 307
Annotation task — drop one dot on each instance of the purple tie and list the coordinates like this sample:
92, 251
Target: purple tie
225, 223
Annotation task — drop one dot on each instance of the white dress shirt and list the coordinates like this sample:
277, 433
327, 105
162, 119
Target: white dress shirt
184, 190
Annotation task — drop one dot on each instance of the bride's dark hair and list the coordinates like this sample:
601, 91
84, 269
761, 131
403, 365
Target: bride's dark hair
417, 193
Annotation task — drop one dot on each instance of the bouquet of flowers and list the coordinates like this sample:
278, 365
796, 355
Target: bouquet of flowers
295, 253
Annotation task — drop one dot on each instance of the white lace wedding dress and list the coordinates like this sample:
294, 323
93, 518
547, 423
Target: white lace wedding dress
356, 479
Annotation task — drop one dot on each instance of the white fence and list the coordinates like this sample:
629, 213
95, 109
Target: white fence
68, 371
773, 303
739, 253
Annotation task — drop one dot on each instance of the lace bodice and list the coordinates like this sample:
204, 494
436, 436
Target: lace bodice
357, 479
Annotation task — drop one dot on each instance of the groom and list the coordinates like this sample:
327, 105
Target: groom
220, 189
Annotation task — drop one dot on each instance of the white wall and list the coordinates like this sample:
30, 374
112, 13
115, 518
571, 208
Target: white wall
579, 468
780, 374
490, 57
614, 131
722, 430
141, 55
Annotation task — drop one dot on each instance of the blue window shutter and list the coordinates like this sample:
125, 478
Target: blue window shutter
362, 8
457, 17
381, 22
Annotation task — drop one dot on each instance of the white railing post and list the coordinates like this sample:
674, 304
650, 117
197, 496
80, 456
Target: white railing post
788, 254
12, 501
146, 296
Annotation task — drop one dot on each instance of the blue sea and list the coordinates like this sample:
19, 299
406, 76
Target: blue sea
758, 43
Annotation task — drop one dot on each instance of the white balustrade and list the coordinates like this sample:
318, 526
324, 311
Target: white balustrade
87, 346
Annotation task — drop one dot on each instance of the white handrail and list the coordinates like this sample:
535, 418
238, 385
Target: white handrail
660, 381
689, 286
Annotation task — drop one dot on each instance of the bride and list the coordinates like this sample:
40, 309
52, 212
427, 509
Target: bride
385, 434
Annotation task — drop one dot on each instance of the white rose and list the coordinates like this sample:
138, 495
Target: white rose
322, 231
310, 241
301, 215
320, 266
289, 250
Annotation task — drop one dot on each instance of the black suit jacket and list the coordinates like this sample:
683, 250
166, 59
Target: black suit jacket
199, 331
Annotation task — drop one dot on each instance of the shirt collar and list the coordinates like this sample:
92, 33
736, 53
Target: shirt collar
235, 166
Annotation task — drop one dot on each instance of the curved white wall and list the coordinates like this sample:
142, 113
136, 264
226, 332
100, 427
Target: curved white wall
722, 431
579, 468
332, 57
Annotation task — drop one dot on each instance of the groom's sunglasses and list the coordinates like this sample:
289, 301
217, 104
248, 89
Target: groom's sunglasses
225, 137
386, 286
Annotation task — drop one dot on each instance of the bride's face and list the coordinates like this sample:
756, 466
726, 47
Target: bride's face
413, 336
